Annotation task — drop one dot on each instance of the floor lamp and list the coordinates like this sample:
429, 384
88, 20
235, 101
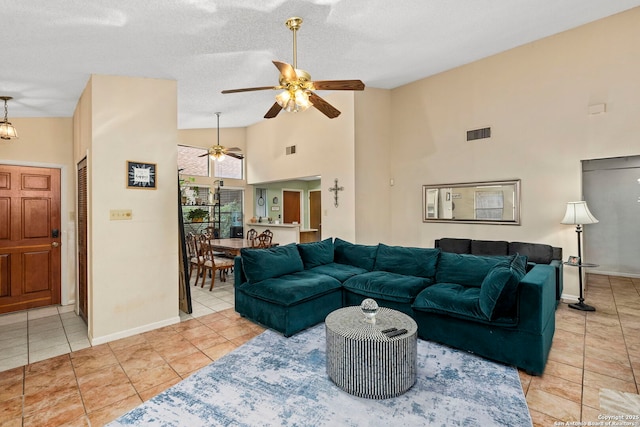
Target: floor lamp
578, 214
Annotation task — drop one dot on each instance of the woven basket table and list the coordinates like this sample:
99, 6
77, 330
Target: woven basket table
363, 361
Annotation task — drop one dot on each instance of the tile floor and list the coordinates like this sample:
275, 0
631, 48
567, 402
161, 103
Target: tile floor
592, 354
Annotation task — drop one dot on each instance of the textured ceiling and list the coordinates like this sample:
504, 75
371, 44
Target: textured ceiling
50, 48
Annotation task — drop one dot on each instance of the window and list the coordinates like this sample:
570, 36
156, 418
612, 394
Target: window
190, 161
230, 167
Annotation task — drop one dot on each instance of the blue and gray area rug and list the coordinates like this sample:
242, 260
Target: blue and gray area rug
277, 381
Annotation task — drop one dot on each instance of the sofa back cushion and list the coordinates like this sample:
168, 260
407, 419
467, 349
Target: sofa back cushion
261, 264
456, 246
535, 252
419, 262
499, 288
363, 256
465, 269
315, 254
489, 247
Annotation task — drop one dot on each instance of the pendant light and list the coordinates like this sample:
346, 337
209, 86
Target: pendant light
7, 130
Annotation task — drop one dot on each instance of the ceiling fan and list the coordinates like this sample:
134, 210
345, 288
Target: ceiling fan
218, 152
297, 87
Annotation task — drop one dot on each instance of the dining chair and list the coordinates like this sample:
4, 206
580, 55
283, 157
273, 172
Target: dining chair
213, 263
262, 241
268, 233
196, 259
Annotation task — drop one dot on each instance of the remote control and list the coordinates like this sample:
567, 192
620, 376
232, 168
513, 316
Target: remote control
386, 331
396, 333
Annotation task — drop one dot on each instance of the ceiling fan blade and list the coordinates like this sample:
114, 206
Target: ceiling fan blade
233, 149
203, 155
338, 85
236, 156
286, 70
273, 111
249, 89
324, 107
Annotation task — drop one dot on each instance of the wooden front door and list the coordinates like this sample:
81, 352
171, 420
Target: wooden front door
291, 207
29, 237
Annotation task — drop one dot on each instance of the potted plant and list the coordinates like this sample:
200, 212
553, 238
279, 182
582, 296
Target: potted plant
197, 215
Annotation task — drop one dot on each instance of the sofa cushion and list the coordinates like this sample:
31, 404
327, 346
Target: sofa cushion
387, 286
363, 256
456, 246
338, 271
451, 299
489, 247
467, 270
535, 252
261, 264
314, 254
291, 289
499, 288
420, 262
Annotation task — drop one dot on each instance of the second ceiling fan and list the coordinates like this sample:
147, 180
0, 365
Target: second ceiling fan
297, 87
218, 152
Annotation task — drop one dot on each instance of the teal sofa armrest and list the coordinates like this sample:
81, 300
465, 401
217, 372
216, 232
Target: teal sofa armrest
537, 299
238, 272
557, 264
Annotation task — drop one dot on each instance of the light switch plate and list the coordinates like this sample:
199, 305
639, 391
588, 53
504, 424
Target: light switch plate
120, 214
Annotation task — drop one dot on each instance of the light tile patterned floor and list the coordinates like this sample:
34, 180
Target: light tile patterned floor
592, 353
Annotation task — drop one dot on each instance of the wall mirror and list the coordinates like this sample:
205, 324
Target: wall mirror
490, 202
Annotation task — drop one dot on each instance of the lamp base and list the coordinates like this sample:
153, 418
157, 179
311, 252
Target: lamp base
582, 306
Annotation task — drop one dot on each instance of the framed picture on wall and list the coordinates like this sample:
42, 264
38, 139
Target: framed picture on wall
141, 175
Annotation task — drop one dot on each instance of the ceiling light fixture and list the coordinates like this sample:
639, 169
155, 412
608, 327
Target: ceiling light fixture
217, 151
7, 130
295, 98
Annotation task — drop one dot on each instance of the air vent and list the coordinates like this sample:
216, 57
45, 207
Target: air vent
478, 134
291, 150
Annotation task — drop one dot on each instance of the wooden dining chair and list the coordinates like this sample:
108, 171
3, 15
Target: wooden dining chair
196, 259
213, 263
263, 241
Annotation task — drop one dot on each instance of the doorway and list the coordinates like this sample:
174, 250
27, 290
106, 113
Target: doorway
611, 188
315, 210
30, 253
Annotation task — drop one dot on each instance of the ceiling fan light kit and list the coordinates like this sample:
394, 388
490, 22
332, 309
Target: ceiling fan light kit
297, 87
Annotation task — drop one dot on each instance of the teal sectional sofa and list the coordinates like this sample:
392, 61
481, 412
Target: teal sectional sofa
499, 307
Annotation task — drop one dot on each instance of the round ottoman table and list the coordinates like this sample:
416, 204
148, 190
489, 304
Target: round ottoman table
364, 361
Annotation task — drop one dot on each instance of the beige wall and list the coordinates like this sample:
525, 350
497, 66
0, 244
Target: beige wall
133, 265
324, 147
48, 142
372, 150
536, 99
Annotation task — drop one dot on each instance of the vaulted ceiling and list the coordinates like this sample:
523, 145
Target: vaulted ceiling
50, 48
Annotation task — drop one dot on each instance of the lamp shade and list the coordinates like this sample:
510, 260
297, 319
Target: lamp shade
578, 213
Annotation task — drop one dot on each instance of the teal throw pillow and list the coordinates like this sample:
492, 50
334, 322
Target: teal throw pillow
315, 254
466, 269
363, 256
499, 288
419, 262
261, 264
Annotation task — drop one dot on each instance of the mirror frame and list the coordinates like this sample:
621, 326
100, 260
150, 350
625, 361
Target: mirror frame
428, 193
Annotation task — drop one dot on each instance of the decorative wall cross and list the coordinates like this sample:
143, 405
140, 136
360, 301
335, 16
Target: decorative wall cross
335, 189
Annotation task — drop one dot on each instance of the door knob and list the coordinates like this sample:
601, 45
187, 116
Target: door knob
55, 244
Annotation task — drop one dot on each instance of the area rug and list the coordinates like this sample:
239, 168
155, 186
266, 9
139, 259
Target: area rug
277, 381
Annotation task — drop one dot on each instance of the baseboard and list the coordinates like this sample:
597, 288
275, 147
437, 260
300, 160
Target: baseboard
613, 273
135, 331
568, 298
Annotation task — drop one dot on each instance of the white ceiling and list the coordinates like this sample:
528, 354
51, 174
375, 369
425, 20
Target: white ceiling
50, 48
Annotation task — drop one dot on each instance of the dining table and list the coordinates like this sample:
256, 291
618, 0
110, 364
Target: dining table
231, 246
